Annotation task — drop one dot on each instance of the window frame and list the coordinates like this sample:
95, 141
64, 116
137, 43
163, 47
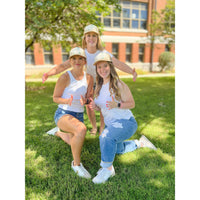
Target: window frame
129, 53
141, 53
47, 52
115, 54
142, 6
30, 52
64, 53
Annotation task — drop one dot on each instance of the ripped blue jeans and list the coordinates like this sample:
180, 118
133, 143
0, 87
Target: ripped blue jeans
112, 140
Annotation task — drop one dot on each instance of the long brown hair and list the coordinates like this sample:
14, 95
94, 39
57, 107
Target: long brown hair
99, 45
114, 80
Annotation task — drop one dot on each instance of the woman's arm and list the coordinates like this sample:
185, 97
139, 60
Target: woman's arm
90, 91
56, 70
127, 101
93, 106
124, 67
61, 84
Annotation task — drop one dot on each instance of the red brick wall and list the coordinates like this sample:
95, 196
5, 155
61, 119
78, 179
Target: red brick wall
122, 52
108, 46
161, 4
149, 15
147, 52
57, 54
38, 54
124, 34
158, 49
172, 49
135, 53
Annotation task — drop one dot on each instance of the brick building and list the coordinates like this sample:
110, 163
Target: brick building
126, 36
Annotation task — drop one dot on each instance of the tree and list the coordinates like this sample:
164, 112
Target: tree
62, 21
166, 60
168, 21
163, 24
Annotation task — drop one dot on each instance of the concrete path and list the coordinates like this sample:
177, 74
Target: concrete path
122, 76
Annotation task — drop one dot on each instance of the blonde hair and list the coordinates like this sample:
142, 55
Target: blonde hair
114, 80
99, 43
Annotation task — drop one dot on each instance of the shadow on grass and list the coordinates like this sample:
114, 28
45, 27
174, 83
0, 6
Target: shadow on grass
142, 174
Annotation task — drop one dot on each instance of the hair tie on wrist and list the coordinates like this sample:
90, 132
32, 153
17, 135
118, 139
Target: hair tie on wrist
87, 102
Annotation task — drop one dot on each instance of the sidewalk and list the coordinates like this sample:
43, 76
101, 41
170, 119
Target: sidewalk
121, 76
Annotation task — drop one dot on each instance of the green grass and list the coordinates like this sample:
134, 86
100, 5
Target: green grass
140, 175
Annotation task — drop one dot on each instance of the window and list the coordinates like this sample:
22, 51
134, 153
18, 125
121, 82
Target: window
65, 55
133, 15
139, 15
169, 21
48, 56
115, 50
128, 52
29, 57
141, 53
167, 48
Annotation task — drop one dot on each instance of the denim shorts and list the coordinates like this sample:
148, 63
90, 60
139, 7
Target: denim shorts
60, 112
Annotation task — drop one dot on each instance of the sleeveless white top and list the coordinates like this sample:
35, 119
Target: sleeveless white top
75, 88
90, 68
115, 113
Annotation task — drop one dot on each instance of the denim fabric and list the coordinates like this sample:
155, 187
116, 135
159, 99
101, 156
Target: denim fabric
60, 112
112, 140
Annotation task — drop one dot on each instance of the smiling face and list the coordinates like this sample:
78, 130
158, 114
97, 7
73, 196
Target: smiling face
91, 39
103, 69
77, 61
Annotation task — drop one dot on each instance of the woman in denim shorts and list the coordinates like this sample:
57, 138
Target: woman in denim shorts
70, 93
114, 99
92, 45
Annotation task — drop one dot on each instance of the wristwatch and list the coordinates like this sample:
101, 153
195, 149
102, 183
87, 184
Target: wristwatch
118, 105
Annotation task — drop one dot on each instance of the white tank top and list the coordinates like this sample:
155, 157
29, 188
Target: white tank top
75, 88
112, 114
90, 68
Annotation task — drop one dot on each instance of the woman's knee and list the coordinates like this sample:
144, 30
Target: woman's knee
81, 130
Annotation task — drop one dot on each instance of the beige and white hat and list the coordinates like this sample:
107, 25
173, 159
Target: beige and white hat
102, 57
91, 28
77, 51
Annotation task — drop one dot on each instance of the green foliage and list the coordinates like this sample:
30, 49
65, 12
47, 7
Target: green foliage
166, 60
142, 174
168, 20
163, 23
62, 21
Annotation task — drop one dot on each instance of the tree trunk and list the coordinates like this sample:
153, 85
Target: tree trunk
152, 54
29, 45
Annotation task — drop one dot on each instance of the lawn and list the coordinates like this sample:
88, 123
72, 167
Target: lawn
140, 175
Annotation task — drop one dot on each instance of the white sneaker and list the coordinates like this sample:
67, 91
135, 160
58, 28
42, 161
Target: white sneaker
103, 175
81, 171
53, 131
146, 143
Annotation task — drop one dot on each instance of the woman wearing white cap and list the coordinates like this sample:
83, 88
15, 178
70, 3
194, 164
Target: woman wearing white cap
70, 93
91, 43
114, 99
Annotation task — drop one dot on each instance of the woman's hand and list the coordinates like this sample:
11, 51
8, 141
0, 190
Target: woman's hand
69, 102
82, 100
91, 105
44, 77
111, 104
134, 75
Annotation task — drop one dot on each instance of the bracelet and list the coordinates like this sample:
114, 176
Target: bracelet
87, 102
